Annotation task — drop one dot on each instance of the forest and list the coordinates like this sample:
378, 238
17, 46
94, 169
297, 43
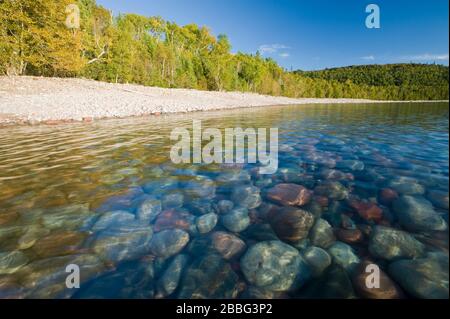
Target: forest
130, 48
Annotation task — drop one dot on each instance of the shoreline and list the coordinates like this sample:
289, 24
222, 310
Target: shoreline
27, 100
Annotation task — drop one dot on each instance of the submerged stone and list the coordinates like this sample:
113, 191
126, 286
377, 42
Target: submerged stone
209, 277
10, 262
246, 196
201, 187
180, 219
291, 224
168, 282
406, 186
148, 210
439, 199
418, 214
169, 242
274, 266
387, 288
206, 223
172, 201
318, 260
344, 256
123, 243
388, 243
333, 190
130, 280
113, 219
322, 234
237, 220
59, 244
426, 277
225, 206
289, 194
351, 165
46, 278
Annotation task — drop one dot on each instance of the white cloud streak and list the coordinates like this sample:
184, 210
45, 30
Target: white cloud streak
272, 48
368, 58
427, 57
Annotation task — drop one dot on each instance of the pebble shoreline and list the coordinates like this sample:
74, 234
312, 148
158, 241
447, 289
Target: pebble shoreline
35, 100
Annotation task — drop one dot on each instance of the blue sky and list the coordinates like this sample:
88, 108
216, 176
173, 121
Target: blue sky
314, 34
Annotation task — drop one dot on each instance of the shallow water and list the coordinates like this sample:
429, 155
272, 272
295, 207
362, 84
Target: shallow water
367, 165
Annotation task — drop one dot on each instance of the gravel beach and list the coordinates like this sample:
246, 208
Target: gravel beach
33, 100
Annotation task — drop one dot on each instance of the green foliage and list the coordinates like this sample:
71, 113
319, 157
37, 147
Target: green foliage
131, 48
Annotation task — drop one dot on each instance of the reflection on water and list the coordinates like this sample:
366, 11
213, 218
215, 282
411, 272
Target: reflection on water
106, 197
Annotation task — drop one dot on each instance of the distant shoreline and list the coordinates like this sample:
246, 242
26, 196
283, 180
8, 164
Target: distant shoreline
38, 100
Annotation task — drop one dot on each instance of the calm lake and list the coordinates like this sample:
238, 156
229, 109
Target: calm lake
357, 185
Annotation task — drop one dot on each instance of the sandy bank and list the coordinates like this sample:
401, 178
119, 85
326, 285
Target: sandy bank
51, 100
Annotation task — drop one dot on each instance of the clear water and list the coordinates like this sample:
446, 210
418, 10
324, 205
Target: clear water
56, 182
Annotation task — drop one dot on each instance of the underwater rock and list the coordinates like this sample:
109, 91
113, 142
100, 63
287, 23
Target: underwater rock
209, 277
333, 190
168, 282
406, 186
31, 235
367, 210
237, 220
289, 194
161, 185
260, 232
46, 278
66, 218
423, 278
123, 243
128, 281
8, 218
418, 214
321, 234
228, 245
206, 223
172, 201
318, 260
387, 289
335, 175
388, 243
201, 187
148, 210
200, 206
225, 244
344, 256
113, 219
169, 242
225, 206
439, 199
274, 266
351, 165
180, 219
59, 244
291, 224
335, 283
233, 176
12, 261
349, 236
387, 196
246, 196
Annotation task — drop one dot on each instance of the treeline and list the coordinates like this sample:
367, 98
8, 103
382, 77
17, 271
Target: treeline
34, 40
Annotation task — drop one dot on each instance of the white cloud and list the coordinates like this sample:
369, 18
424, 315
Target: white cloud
285, 55
427, 57
272, 48
368, 58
